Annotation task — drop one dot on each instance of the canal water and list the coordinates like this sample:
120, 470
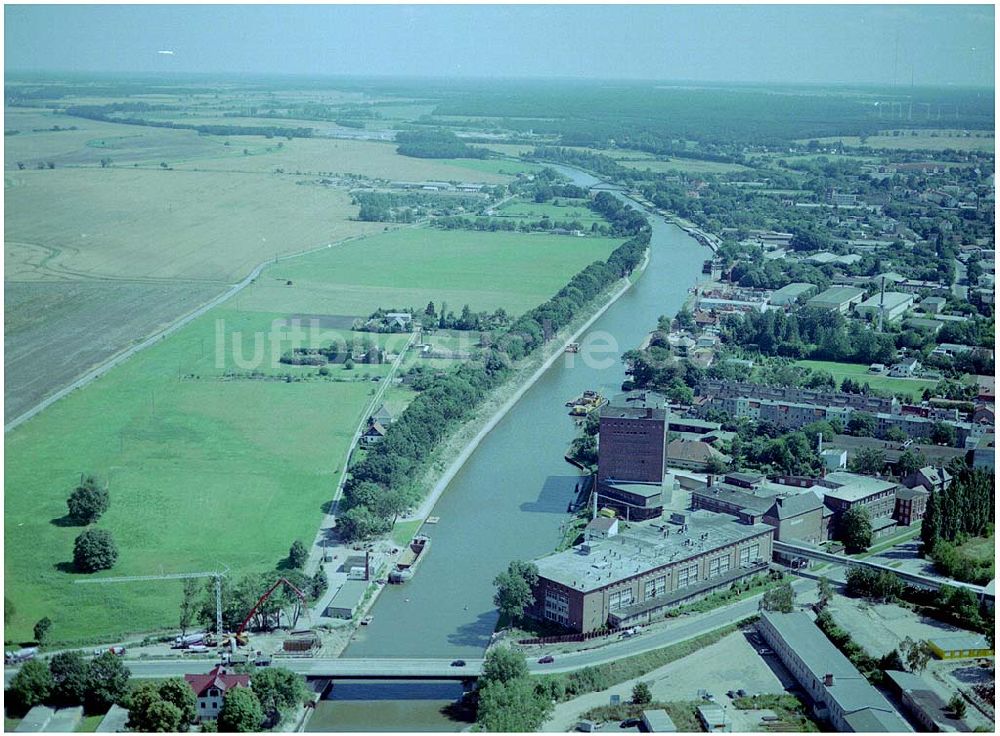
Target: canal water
509, 500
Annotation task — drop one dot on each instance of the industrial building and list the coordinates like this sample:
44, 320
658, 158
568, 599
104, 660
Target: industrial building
960, 646
638, 574
796, 514
632, 450
347, 600
840, 694
923, 704
891, 305
790, 294
839, 298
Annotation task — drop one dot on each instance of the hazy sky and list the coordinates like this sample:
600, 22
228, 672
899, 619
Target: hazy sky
935, 44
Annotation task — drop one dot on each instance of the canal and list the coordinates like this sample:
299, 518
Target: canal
509, 500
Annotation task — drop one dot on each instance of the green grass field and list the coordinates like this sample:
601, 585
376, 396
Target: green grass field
980, 548
410, 267
912, 386
924, 140
685, 165
571, 209
207, 472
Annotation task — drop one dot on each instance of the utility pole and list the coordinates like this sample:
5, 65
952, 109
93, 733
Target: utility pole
216, 574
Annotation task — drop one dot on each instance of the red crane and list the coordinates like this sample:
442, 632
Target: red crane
260, 601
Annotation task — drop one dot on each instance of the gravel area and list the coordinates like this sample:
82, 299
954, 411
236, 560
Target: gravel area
729, 664
879, 628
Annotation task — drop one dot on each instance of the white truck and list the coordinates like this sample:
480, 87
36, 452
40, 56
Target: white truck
21, 655
184, 642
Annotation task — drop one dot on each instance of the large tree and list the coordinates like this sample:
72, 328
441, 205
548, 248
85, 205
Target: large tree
503, 664
297, 555
148, 712
107, 682
856, 528
88, 501
31, 686
513, 706
69, 678
178, 693
513, 589
780, 598
278, 690
95, 550
188, 605
241, 712
868, 461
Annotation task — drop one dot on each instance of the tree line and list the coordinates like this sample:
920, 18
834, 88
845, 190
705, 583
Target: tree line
105, 113
388, 467
963, 510
436, 144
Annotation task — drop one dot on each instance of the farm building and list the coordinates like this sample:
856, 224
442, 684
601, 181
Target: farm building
960, 646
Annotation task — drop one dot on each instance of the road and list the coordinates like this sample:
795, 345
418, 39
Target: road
681, 630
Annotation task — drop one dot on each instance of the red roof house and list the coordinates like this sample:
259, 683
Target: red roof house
211, 688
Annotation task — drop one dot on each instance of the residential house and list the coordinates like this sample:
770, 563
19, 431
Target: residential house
210, 689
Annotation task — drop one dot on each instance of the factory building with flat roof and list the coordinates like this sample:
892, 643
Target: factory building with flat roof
646, 569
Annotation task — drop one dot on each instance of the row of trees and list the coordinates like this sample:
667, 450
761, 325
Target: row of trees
448, 399
69, 680
113, 114
962, 510
954, 605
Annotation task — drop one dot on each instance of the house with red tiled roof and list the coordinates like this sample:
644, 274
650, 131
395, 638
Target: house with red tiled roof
211, 688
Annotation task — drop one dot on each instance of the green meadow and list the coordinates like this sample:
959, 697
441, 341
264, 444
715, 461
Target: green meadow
208, 471
912, 386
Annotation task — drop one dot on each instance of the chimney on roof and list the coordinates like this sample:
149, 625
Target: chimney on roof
828, 679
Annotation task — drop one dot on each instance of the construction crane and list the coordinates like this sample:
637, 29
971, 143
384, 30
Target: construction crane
260, 601
216, 574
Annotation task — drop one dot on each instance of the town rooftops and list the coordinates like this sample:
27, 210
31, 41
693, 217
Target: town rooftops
786, 507
910, 493
853, 487
637, 399
642, 548
218, 678
849, 689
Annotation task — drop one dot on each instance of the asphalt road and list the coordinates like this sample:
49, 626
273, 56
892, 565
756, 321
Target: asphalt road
683, 629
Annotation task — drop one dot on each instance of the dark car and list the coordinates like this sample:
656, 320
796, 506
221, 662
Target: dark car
458, 663
547, 659
741, 692
630, 723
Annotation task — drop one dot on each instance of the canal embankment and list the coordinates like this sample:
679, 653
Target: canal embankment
465, 439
